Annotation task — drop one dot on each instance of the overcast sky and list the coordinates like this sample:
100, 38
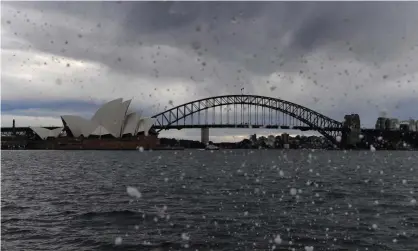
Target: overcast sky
336, 58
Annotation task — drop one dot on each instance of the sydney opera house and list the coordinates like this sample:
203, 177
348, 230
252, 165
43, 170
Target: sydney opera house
113, 126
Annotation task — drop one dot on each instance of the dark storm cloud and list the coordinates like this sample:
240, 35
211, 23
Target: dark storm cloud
155, 17
250, 34
257, 28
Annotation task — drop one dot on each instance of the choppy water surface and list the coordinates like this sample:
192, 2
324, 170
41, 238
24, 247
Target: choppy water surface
202, 200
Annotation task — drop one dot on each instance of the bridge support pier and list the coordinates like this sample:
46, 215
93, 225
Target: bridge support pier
205, 135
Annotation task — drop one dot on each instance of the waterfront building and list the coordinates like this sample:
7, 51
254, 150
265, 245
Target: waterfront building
111, 120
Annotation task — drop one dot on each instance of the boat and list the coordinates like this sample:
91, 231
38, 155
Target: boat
211, 147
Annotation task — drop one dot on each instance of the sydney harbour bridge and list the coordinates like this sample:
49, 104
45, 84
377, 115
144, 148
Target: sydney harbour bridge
250, 111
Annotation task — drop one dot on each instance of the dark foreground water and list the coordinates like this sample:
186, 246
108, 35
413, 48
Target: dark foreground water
202, 200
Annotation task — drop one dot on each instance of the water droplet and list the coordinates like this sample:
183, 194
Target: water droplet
293, 191
278, 240
118, 241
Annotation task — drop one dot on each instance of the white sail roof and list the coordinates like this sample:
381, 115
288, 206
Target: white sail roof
100, 130
131, 123
145, 124
55, 132
78, 125
45, 133
121, 117
40, 131
112, 115
103, 112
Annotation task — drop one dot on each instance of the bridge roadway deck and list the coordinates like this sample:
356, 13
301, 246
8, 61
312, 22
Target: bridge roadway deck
179, 127
302, 128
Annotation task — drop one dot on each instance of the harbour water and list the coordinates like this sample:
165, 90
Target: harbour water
209, 200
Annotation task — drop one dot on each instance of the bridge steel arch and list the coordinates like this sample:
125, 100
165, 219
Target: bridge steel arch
328, 127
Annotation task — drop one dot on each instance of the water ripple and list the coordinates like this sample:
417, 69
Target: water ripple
222, 200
